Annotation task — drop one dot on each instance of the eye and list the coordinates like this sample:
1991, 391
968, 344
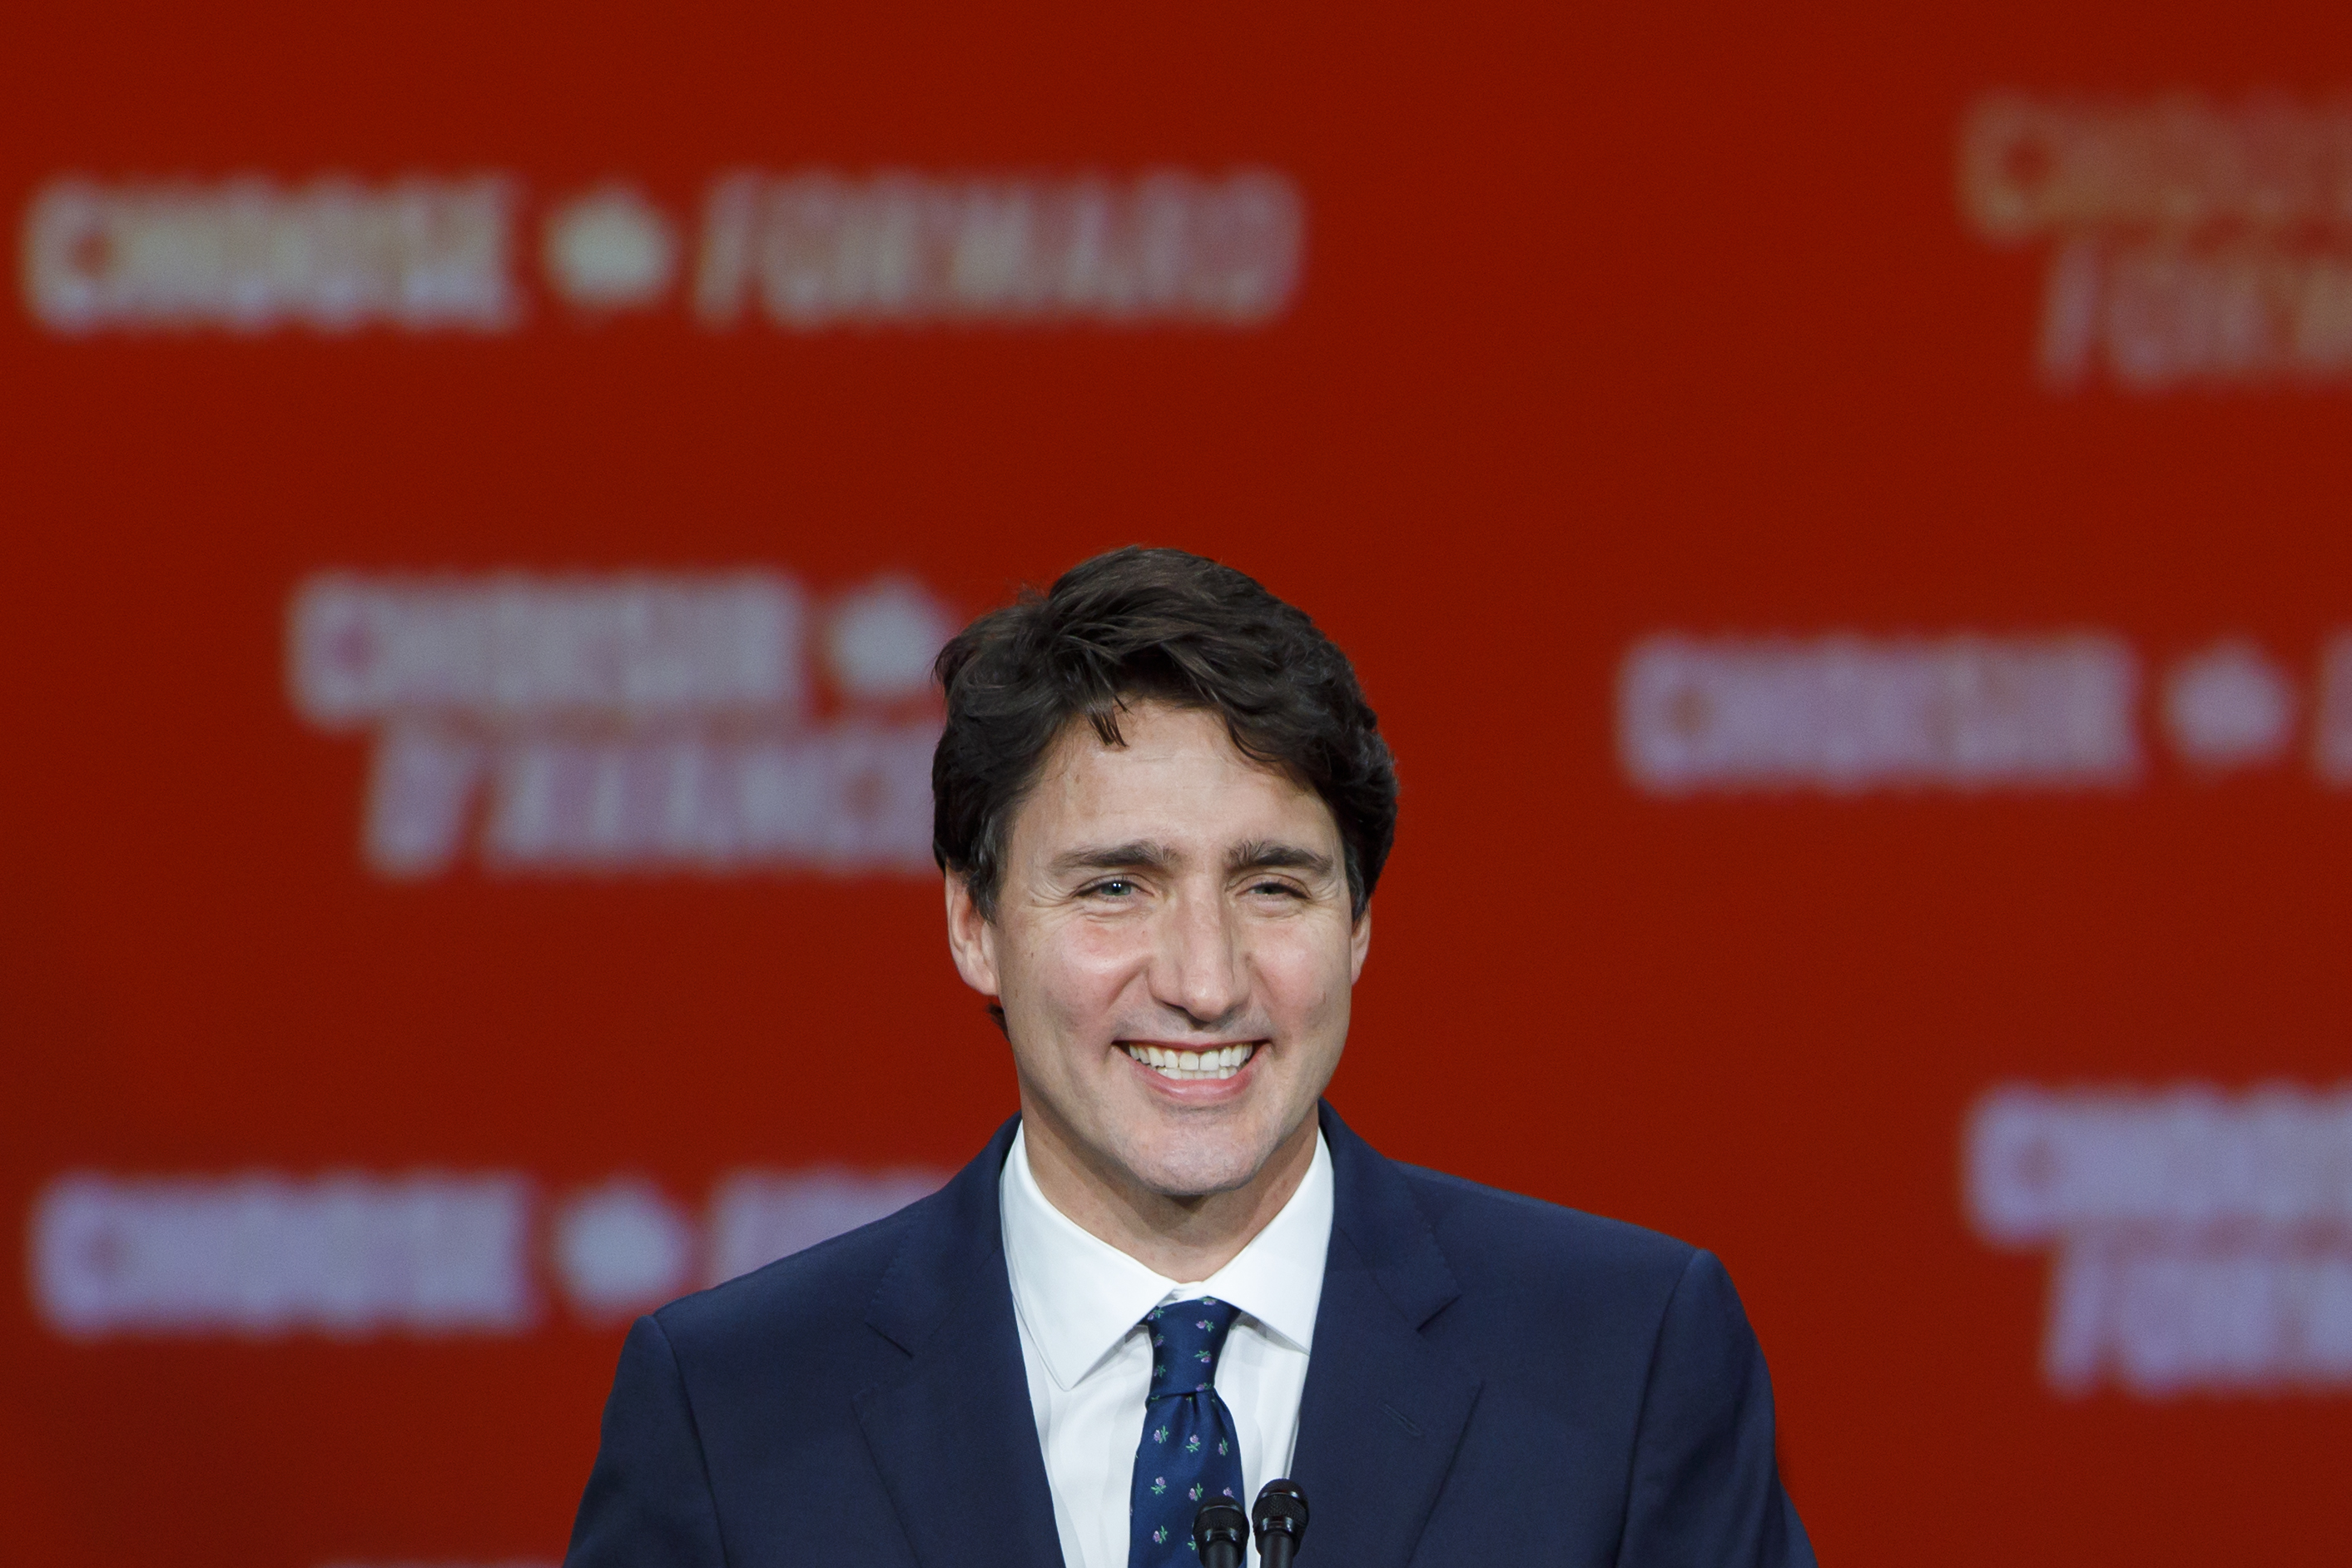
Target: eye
1283, 890
1115, 888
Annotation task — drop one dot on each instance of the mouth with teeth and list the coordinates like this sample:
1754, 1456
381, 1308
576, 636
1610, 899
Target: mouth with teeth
1221, 1061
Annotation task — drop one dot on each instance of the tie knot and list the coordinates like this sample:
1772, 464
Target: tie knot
1186, 1339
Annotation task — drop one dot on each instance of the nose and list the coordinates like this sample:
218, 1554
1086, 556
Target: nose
1200, 968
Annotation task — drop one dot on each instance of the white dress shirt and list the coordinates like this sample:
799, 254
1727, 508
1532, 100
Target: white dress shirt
1081, 1303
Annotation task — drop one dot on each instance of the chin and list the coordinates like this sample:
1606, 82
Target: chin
1193, 1162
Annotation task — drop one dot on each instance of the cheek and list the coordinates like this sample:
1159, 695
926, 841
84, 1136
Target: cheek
1306, 976
1077, 971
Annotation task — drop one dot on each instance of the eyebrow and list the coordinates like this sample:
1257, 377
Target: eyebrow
1260, 855
1137, 855
1146, 855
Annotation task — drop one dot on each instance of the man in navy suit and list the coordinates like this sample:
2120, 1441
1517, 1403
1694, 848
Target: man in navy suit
1161, 806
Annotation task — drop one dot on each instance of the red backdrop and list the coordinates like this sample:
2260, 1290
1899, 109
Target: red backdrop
1602, 329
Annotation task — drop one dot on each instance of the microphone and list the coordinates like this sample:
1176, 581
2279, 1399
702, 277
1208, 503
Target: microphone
1220, 1533
1281, 1518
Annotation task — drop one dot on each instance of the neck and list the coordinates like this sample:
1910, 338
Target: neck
1186, 1239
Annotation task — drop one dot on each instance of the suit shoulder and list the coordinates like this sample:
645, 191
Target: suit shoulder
1491, 1235
817, 1291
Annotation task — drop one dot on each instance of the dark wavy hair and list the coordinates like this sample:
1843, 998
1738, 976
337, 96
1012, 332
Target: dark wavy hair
1166, 625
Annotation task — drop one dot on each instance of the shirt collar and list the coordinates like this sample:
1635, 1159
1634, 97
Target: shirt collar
1078, 1294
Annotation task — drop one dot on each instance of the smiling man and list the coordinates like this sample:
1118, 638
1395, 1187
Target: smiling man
1161, 806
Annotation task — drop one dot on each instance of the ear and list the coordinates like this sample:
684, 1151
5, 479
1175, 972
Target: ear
971, 939
1359, 942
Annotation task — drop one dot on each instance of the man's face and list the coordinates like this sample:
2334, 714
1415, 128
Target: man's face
1168, 901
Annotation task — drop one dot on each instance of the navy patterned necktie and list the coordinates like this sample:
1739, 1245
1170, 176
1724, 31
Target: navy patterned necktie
1188, 1451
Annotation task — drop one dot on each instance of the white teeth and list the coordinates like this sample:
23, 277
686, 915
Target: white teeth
1222, 1062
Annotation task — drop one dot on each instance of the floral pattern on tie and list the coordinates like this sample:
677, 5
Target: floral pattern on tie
1187, 1449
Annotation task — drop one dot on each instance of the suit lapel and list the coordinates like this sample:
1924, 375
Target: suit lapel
1383, 1411
955, 1439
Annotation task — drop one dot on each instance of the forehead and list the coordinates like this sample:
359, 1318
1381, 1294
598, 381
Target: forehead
1178, 779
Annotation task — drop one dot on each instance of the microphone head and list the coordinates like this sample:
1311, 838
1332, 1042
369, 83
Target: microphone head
1220, 1521
1281, 1511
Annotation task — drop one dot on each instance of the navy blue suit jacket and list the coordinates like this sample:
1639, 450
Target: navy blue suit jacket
1494, 1381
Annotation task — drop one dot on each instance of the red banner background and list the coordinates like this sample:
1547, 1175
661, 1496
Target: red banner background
1603, 328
